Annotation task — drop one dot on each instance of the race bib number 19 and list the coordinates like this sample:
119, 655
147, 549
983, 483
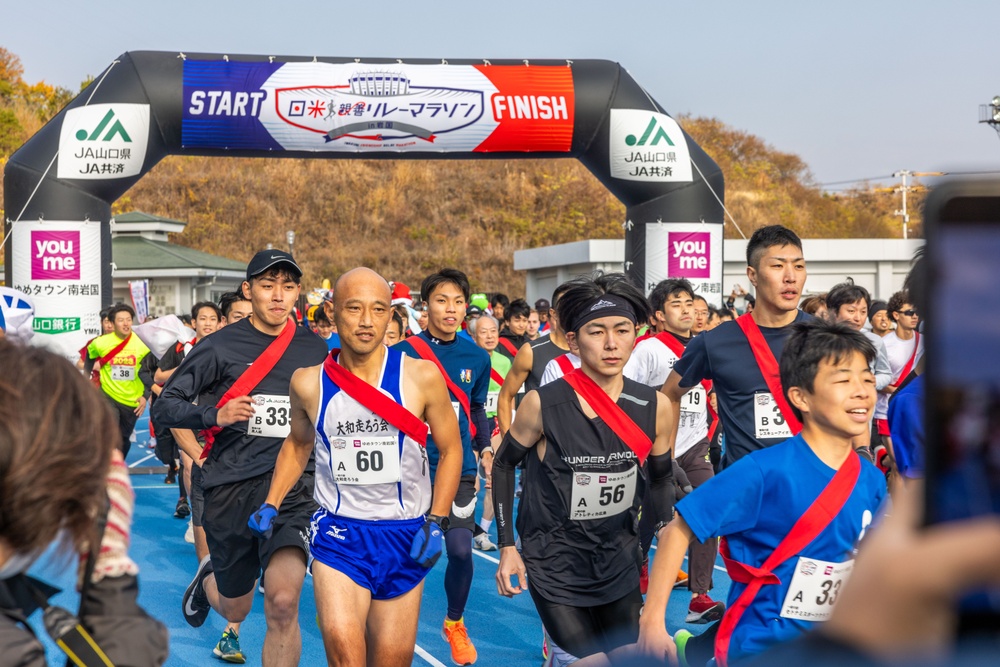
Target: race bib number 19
814, 590
272, 416
768, 421
601, 495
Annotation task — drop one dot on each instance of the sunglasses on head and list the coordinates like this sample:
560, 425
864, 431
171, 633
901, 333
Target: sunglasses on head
908, 313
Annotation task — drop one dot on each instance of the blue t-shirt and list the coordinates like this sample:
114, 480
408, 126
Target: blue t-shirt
906, 426
723, 355
754, 504
468, 366
333, 342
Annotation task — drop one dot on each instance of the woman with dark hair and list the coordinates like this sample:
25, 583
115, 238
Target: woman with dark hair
49, 415
591, 442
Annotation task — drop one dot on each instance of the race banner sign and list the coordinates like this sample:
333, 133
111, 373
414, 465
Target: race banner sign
139, 290
648, 146
686, 250
58, 264
361, 108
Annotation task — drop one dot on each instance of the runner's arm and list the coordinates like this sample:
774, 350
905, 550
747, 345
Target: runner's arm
298, 446
199, 373
883, 372
188, 443
512, 384
441, 420
524, 434
673, 541
661, 470
674, 392
147, 368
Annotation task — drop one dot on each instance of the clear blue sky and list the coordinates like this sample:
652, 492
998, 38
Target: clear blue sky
857, 89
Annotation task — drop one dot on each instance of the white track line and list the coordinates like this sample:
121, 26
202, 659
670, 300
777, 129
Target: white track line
482, 555
427, 656
142, 460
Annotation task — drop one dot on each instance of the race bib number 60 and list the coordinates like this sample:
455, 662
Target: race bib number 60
601, 495
365, 460
272, 416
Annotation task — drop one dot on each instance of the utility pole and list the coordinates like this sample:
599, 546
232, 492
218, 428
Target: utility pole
902, 212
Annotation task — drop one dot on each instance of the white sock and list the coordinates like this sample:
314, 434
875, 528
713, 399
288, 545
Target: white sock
485, 524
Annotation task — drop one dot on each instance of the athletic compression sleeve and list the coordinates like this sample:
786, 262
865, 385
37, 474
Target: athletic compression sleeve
478, 414
505, 462
661, 485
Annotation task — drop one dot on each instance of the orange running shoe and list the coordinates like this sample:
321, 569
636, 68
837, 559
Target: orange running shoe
462, 650
682, 579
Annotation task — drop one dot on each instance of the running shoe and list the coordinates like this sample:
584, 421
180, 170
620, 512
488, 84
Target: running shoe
680, 641
171, 477
195, 601
483, 543
228, 648
183, 510
644, 576
462, 650
545, 646
682, 579
704, 609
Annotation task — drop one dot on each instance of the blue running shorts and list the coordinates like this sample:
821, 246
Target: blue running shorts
374, 554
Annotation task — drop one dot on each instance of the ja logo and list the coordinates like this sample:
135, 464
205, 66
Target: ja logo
651, 127
116, 130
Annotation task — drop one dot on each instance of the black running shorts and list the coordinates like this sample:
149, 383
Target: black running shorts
238, 557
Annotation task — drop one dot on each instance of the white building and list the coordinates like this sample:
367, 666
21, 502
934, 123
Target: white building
880, 265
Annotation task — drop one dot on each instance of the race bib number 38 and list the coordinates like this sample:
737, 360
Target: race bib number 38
272, 416
814, 590
123, 373
365, 460
601, 495
768, 421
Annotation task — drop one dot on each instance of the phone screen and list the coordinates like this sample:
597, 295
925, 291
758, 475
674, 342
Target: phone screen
963, 365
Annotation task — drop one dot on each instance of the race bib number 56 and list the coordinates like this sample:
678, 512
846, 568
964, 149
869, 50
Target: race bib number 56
601, 495
272, 416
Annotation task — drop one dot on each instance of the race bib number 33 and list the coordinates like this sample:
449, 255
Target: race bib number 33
814, 590
602, 495
272, 416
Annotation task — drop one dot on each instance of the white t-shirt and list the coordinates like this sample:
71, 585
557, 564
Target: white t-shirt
553, 371
899, 353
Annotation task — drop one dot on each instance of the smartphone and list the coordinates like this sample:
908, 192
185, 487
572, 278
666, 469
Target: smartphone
962, 326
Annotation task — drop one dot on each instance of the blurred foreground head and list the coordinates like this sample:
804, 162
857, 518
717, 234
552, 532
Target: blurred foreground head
56, 437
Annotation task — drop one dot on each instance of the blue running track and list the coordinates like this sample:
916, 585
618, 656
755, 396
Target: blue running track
505, 632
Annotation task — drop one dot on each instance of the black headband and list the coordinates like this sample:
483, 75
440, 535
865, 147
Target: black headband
605, 305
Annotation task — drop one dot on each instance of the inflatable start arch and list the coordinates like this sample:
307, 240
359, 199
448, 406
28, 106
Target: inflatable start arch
59, 186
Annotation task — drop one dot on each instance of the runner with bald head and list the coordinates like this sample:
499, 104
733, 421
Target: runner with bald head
373, 541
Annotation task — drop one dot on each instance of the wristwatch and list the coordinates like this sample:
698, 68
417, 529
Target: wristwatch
442, 521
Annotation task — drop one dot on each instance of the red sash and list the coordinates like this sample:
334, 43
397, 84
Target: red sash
623, 426
768, 366
509, 346
565, 364
421, 347
251, 377
106, 359
913, 357
495, 376
375, 400
820, 514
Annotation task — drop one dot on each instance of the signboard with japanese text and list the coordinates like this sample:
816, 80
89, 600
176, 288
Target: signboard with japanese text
139, 291
686, 250
374, 108
102, 141
58, 264
648, 146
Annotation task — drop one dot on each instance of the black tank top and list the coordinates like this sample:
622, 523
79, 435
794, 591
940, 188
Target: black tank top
578, 511
542, 352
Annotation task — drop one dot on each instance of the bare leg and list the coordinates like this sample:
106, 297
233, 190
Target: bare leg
343, 609
392, 629
284, 576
